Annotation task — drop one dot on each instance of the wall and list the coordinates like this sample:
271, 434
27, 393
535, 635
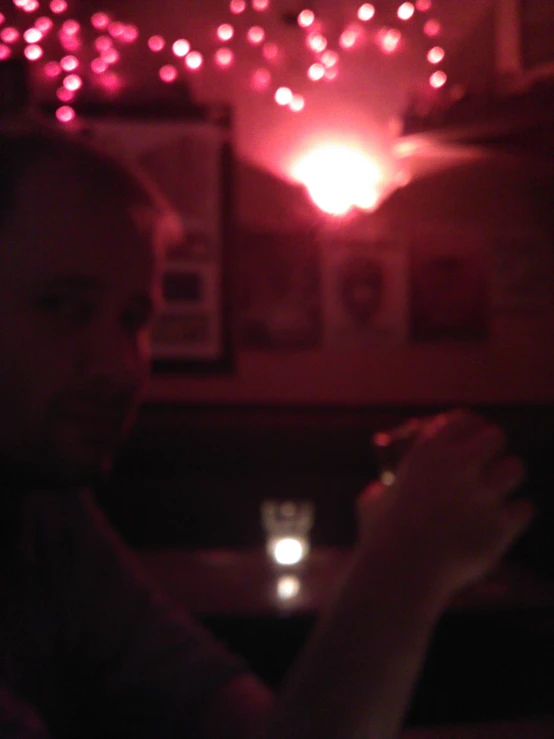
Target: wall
481, 195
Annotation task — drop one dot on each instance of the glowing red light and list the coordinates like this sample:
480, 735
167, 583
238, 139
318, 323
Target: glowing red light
70, 43
438, 79
100, 21
305, 18
406, 11
43, 24
283, 96
69, 63
33, 52
2, 18
5, 52
98, 65
58, 6
156, 43
65, 114
366, 12
316, 42
130, 34
103, 43
432, 28
435, 55
110, 56
261, 79
348, 39
224, 57
389, 40
64, 95
31, 6
423, 5
255, 35
111, 82
73, 82
329, 58
297, 103
20, 3
9, 35
168, 73
237, 6
194, 60
260, 5
270, 51
32, 35
52, 69
316, 71
225, 32
331, 72
181, 47
71, 28
116, 29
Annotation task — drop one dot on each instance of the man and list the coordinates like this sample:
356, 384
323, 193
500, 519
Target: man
88, 649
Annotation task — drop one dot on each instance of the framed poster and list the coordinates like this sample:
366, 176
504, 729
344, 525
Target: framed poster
190, 161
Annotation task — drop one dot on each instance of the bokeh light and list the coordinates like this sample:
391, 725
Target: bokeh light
261, 79
65, 114
58, 6
366, 12
283, 96
168, 73
424, 5
116, 29
130, 34
224, 57
65, 95
237, 6
52, 69
225, 32
33, 52
432, 28
9, 35
5, 52
44, 24
316, 42
255, 35
297, 103
316, 71
100, 21
98, 65
32, 35
260, 5
181, 47
406, 11
72, 82
156, 43
71, 28
69, 63
438, 79
194, 60
270, 51
389, 40
435, 55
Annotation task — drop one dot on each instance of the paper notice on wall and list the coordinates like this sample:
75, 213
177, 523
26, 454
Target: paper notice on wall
364, 289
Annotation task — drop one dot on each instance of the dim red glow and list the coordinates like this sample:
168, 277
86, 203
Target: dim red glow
316, 71
70, 43
389, 40
43, 24
194, 60
255, 35
432, 28
406, 11
69, 63
330, 58
71, 28
9, 35
270, 51
168, 73
73, 82
260, 5
225, 32
237, 6
339, 178
100, 21
65, 114
111, 82
58, 6
423, 5
316, 42
33, 52
261, 79
110, 56
156, 43
366, 12
32, 36
103, 43
5, 52
52, 69
297, 103
305, 18
98, 65
130, 34
2, 18
435, 55
438, 79
65, 95
116, 29
181, 47
283, 96
331, 73
224, 57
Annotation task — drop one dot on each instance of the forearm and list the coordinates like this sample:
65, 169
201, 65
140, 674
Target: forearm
355, 677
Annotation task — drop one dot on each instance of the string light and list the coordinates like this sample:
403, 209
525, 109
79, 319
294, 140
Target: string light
33, 52
5, 52
224, 57
168, 73
116, 29
255, 35
237, 7
329, 58
110, 56
225, 32
98, 65
65, 114
316, 71
283, 96
194, 60
71, 28
100, 21
316, 42
432, 27
181, 48
438, 79
423, 5
435, 55
297, 103
130, 34
270, 51
52, 69
2, 18
69, 63
64, 95
9, 35
31, 6
103, 43
73, 82
389, 40
406, 11
32, 36
260, 5
305, 18
261, 79
156, 43
44, 24
366, 12
58, 6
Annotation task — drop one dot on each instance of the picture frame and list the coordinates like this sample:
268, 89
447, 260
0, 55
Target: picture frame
188, 155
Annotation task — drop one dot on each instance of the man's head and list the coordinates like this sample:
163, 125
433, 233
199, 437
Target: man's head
80, 263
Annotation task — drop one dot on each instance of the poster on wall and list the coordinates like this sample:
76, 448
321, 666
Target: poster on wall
187, 159
523, 268
364, 291
277, 297
449, 286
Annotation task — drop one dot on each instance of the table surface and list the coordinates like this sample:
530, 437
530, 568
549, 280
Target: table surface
224, 582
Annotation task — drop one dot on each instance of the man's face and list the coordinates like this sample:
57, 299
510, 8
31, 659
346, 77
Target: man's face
79, 285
